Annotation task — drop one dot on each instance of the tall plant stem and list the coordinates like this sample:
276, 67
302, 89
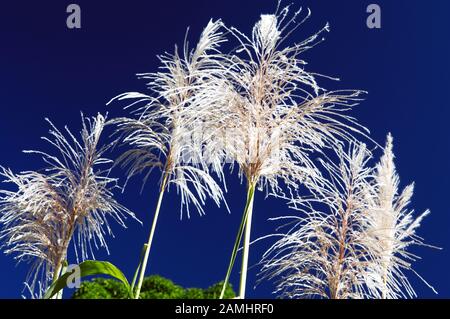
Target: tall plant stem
61, 268
247, 211
246, 248
63, 271
150, 237
56, 274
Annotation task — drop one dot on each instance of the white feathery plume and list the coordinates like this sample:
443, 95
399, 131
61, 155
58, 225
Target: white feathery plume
274, 115
325, 253
274, 119
167, 130
393, 227
70, 201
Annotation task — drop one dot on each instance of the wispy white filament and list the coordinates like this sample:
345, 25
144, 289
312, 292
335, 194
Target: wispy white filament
271, 114
273, 117
70, 200
352, 237
324, 255
167, 128
393, 227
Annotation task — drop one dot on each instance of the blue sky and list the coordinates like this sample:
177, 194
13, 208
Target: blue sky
50, 71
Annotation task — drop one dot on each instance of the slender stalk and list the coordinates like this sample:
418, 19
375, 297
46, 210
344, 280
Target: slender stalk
61, 267
63, 271
248, 208
56, 274
246, 249
133, 283
150, 238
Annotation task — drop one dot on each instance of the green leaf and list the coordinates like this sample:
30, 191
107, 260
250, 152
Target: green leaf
88, 268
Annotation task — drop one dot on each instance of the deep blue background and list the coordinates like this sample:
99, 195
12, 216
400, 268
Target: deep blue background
47, 70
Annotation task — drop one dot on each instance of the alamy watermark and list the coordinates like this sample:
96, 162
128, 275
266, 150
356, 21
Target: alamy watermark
74, 279
73, 20
374, 19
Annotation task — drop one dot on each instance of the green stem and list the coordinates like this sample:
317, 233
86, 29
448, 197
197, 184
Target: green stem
56, 274
248, 209
246, 249
63, 271
60, 270
133, 283
150, 237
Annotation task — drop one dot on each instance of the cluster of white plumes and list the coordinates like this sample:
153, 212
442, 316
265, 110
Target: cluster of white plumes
259, 108
352, 237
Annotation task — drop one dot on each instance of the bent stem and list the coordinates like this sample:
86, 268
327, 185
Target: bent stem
247, 212
150, 237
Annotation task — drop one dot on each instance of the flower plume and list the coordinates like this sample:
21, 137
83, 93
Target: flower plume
166, 131
393, 227
70, 200
353, 237
274, 116
324, 255
271, 112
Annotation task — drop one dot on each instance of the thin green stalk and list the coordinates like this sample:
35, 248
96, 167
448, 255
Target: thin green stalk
246, 249
60, 270
61, 267
56, 274
248, 208
133, 283
63, 271
150, 238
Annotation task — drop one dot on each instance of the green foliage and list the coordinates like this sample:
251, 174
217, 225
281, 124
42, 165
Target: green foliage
101, 288
213, 292
156, 287
153, 287
194, 293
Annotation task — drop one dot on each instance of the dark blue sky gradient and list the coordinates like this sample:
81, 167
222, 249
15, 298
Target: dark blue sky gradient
47, 70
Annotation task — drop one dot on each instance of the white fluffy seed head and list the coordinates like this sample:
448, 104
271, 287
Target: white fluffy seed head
265, 31
167, 131
270, 112
324, 254
392, 226
69, 201
353, 237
